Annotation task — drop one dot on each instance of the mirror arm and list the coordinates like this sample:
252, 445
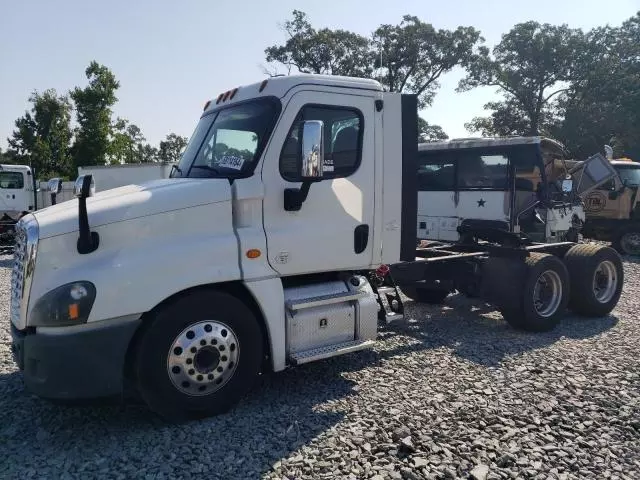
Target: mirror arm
88, 241
295, 197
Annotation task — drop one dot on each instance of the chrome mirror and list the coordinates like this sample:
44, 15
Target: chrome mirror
312, 150
54, 185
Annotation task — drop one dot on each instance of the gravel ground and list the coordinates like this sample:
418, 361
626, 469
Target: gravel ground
454, 393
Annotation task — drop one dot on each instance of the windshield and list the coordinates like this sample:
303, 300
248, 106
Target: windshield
228, 143
11, 180
629, 174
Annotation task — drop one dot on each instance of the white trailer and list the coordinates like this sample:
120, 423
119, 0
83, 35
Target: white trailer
281, 238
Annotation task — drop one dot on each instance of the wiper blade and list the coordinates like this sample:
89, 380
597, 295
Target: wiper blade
207, 167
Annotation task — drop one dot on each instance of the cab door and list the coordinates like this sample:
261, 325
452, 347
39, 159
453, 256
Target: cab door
437, 198
483, 185
333, 229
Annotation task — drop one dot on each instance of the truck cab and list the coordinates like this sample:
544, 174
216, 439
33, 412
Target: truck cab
241, 248
17, 197
17, 190
612, 208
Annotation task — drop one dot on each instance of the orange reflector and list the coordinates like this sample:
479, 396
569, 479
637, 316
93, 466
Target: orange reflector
253, 253
73, 311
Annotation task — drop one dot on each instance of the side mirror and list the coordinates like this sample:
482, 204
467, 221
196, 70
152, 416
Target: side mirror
312, 160
84, 186
567, 185
310, 163
54, 185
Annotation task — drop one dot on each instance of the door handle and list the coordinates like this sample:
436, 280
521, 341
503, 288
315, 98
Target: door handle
360, 238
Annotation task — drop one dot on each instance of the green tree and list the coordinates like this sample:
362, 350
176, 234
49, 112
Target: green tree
531, 66
147, 153
171, 148
413, 55
120, 145
93, 111
428, 132
324, 51
603, 104
41, 138
410, 57
126, 142
8, 157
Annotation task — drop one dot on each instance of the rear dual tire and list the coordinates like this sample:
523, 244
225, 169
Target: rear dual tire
597, 278
534, 296
543, 296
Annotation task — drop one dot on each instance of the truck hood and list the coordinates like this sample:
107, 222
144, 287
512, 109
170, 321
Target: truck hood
133, 201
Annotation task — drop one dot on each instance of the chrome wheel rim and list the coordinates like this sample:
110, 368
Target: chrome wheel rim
605, 281
630, 243
547, 293
203, 358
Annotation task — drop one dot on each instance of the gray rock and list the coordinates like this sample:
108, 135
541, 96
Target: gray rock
480, 472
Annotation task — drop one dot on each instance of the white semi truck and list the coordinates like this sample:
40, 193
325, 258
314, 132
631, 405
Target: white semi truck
282, 237
18, 195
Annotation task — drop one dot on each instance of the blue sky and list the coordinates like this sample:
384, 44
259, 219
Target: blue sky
170, 57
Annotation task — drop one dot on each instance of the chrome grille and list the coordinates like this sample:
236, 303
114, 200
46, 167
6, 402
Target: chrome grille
17, 275
26, 245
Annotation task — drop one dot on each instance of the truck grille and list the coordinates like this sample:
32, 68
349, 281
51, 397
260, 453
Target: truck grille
26, 239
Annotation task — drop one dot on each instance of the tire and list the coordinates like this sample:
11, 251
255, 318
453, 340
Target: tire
597, 278
425, 295
542, 316
220, 357
627, 241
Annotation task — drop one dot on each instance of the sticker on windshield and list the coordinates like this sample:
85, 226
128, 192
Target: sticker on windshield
230, 161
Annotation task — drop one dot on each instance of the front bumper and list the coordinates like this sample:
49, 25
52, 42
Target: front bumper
74, 363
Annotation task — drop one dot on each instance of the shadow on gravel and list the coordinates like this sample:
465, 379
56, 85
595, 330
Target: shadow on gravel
277, 418
477, 333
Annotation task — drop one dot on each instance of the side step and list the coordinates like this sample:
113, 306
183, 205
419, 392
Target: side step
330, 351
295, 305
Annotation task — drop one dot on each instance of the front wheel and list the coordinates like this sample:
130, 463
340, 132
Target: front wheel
198, 356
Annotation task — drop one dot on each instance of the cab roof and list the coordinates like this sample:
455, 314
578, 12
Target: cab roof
14, 168
486, 142
279, 86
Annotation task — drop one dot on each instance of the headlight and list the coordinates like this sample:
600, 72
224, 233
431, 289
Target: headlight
69, 304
